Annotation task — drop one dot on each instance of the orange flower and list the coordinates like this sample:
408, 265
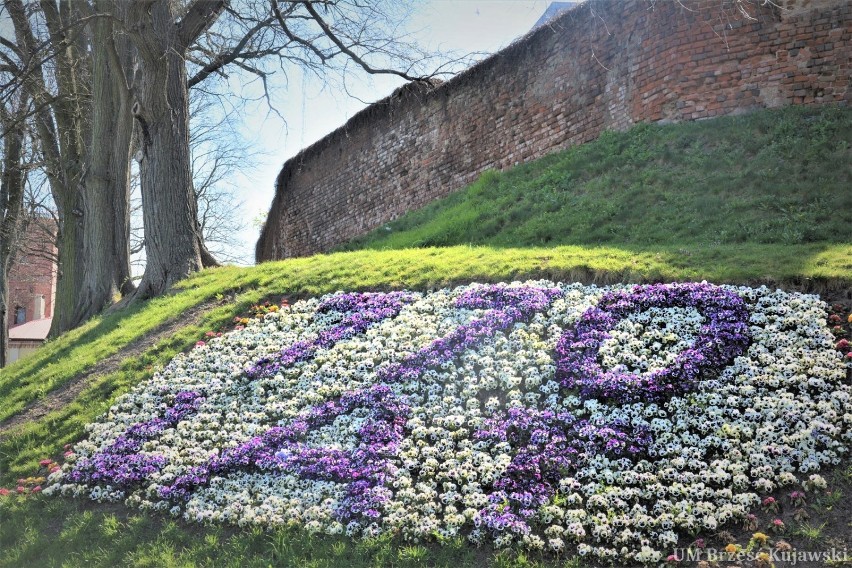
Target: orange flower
732, 548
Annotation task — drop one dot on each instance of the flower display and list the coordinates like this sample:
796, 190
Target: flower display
611, 420
723, 336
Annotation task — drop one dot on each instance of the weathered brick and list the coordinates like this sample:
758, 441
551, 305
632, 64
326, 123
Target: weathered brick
557, 87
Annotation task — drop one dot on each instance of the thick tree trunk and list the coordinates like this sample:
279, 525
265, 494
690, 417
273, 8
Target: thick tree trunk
4, 318
69, 244
11, 204
106, 250
62, 129
169, 208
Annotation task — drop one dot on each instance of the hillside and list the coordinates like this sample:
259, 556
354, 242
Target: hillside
761, 199
771, 177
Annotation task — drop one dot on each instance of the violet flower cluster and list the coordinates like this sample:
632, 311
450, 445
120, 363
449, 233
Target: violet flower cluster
122, 463
550, 445
365, 468
724, 336
362, 311
506, 306
459, 413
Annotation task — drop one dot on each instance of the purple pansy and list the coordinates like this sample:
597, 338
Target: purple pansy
506, 305
723, 336
368, 465
121, 464
365, 467
361, 310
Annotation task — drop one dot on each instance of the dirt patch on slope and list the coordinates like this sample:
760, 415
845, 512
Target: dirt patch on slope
68, 392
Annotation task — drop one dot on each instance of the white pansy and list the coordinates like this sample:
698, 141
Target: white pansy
777, 414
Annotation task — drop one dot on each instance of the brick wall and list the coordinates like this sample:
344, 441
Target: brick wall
33, 273
603, 65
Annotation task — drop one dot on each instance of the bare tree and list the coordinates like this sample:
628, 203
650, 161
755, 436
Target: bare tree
98, 70
12, 175
211, 35
219, 154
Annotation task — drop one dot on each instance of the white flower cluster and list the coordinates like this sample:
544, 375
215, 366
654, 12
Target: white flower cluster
779, 412
650, 340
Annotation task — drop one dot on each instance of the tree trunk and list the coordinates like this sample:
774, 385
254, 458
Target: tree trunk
106, 250
11, 204
61, 128
4, 310
69, 244
169, 208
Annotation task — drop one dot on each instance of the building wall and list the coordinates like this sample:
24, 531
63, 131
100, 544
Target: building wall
603, 65
33, 274
21, 349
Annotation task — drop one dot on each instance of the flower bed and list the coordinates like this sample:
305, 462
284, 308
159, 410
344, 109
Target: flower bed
537, 414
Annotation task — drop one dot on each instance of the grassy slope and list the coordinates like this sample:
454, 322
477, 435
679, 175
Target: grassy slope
34, 531
771, 177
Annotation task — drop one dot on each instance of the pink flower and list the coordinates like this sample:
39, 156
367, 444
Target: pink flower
672, 559
199, 343
66, 447
210, 334
4, 491
36, 489
699, 543
842, 344
21, 489
68, 454
45, 463
54, 468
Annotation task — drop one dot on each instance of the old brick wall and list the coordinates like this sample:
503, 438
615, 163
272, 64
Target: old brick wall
604, 65
33, 272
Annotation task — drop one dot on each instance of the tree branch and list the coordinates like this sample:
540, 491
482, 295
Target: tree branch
199, 16
354, 56
294, 38
224, 59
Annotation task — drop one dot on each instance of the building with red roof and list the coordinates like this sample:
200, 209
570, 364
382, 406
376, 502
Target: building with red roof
32, 288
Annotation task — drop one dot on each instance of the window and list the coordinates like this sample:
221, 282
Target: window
20, 315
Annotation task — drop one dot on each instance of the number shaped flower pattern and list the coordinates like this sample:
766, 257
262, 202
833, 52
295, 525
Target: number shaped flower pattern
546, 444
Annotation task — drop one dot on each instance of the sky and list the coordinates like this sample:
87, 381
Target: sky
310, 111
306, 109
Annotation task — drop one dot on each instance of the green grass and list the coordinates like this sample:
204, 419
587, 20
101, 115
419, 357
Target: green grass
810, 532
64, 532
772, 177
591, 206
24, 382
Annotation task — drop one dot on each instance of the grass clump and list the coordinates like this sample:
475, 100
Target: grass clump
65, 532
772, 177
761, 199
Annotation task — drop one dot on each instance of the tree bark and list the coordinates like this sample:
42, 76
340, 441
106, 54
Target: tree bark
61, 130
11, 204
4, 310
173, 246
84, 135
106, 189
